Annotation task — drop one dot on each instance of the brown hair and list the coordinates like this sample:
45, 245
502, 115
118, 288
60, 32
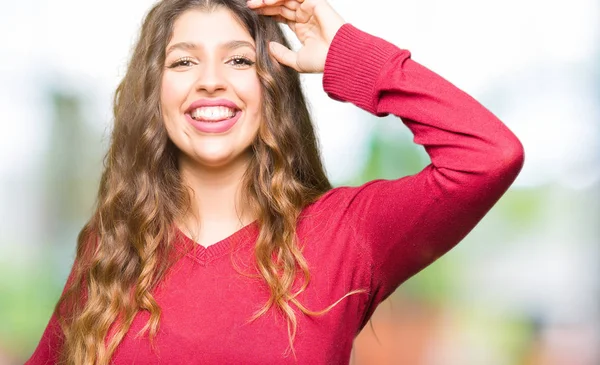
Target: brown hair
125, 249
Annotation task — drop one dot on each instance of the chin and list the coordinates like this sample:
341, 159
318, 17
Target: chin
219, 160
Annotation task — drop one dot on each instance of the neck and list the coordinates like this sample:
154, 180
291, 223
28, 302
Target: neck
217, 193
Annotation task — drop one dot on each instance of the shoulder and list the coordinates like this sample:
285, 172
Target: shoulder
344, 213
346, 201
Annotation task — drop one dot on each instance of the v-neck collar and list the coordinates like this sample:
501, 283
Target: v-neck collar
204, 255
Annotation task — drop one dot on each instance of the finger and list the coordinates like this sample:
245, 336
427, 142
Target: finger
298, 16
309, 5
278, 10
284, 55
259, 3
290, 4
293, 5
329, 20
273, 2
254, 3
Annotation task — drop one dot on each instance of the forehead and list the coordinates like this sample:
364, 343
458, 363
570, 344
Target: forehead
208, 29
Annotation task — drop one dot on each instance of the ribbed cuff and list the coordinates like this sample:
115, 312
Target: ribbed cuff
353, 66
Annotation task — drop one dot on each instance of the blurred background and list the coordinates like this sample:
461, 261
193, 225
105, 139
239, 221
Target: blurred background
522, 288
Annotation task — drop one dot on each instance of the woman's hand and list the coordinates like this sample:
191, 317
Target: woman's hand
313, 21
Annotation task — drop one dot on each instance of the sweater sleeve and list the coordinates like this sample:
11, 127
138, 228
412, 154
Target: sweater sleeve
48, 348
407, 223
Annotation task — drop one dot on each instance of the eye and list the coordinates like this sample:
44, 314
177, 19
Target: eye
241, 61
182, 62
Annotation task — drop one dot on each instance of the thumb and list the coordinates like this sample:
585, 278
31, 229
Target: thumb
284, 55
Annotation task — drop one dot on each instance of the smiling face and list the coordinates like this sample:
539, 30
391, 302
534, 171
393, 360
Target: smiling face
210, 91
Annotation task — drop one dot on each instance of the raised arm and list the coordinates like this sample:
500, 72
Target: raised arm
406, 224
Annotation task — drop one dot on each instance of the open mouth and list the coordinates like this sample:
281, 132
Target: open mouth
213, 114
213, 121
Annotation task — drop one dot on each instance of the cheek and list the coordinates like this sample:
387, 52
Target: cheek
173, 93
250, 89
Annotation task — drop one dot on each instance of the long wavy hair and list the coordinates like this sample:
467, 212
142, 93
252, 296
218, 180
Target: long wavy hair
125, 249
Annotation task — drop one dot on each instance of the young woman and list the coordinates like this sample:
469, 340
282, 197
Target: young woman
217, 237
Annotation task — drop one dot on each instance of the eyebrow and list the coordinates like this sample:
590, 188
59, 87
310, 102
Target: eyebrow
189, 46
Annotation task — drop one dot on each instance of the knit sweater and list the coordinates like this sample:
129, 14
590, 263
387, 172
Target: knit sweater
374, 236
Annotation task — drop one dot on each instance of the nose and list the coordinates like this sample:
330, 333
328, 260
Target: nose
210, 78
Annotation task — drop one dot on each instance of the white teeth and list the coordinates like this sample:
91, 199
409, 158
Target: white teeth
213, 113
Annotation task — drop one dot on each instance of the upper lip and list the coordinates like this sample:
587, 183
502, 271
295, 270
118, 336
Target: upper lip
212, 102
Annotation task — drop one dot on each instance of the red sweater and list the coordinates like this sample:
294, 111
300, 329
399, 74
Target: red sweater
374, 236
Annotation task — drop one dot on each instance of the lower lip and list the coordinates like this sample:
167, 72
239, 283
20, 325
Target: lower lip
214, 127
